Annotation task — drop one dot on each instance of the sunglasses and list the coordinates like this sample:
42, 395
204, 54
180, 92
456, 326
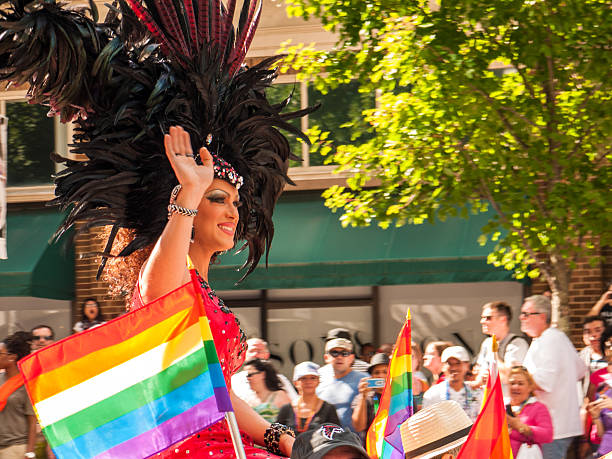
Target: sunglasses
337, 353
487, 318
527, 314
47, 337
250, 375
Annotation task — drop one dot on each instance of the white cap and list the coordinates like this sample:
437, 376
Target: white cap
340, 343
305, 369
456, 352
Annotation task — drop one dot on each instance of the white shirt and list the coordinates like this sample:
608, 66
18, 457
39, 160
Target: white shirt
555, 366
469, 399
242, 388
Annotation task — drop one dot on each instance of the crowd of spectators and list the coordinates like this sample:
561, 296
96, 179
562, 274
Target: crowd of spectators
557, 399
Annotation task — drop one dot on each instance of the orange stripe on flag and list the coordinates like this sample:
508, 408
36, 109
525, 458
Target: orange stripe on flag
489, 437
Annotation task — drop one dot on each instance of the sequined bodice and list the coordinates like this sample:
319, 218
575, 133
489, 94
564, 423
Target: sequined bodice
230, 339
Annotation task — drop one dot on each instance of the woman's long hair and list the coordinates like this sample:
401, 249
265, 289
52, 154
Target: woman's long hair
271, 379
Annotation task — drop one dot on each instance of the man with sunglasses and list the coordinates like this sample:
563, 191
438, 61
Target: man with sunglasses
343, 387
555, 366
495, 320
43, 336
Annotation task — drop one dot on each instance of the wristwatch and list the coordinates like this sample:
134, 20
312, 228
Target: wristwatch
30, 455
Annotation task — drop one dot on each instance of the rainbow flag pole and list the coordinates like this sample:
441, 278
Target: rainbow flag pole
384, 440
133, 386
489, 437
230, 416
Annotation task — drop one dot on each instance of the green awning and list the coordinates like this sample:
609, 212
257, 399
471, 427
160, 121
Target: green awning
34, 267
311, 249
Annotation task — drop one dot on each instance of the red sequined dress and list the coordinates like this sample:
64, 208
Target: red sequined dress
215, 441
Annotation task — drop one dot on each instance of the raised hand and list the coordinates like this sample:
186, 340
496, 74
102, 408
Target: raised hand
194, 178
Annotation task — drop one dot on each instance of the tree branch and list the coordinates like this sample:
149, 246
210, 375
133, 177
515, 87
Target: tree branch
501, 115
487, 192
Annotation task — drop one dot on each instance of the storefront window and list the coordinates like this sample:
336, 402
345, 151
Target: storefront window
30, 142
339, 106
276, 94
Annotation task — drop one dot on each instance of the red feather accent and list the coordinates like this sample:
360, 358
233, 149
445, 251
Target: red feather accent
244, 27
252, 29
168, 16
203, 21
142, 14
227, 25
193, 26
215, 20
242, 45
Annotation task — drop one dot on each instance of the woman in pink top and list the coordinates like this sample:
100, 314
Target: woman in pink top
529, 420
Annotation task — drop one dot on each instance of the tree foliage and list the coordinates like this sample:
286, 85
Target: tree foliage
504, 104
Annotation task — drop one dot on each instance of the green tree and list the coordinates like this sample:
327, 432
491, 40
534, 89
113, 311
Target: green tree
502, 104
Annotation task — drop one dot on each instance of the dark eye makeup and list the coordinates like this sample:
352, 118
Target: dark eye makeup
219, 197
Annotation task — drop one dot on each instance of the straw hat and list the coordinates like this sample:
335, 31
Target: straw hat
435, 430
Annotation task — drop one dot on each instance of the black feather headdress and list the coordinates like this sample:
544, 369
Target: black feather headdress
150, 65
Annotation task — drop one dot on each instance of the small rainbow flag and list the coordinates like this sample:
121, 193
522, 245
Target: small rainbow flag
384, 438
489, 436
133, 386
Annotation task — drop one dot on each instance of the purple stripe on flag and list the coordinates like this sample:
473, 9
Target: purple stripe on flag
394, 420
223, 400
176, 429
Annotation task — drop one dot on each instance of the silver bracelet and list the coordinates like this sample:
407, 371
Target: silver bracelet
174, 208
175, 192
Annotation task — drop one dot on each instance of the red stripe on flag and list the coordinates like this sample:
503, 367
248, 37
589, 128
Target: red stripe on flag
111, 333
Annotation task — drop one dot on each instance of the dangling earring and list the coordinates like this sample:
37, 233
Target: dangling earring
192, 234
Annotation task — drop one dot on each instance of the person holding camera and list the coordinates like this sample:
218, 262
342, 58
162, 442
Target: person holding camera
365, 403
603, 307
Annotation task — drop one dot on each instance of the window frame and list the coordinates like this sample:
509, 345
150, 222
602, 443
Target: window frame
61, 133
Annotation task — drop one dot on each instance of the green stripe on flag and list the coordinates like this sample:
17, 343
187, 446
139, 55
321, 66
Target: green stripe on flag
399, 384
211, 351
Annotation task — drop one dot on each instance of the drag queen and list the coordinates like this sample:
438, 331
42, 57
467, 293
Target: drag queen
183, 154
202, 222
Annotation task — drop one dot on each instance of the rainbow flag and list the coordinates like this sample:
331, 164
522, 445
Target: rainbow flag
489, 437
384, 439
133, 386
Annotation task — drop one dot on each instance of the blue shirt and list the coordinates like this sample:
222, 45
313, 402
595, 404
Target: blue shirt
340, 392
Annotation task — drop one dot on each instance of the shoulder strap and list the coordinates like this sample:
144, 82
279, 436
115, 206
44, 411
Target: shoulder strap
502, 347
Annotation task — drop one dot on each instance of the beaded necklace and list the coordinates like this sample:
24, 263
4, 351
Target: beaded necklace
301, 424
466, 404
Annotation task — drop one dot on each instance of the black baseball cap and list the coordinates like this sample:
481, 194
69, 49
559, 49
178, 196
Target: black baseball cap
316, 443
